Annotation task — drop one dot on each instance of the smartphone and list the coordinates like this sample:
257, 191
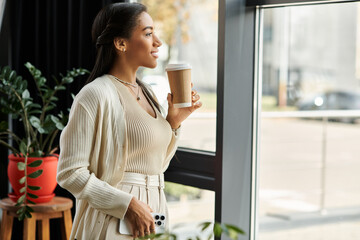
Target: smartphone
159, 220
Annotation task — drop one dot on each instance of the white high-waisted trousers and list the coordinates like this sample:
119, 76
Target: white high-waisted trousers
146, 188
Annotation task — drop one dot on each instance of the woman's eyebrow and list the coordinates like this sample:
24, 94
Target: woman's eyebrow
148, 27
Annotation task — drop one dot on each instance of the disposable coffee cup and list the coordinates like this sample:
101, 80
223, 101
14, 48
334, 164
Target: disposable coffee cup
179, 76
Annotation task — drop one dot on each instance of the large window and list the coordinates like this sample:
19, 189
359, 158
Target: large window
309, 129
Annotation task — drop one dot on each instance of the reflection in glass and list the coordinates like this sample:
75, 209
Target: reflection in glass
309, 160
188, 30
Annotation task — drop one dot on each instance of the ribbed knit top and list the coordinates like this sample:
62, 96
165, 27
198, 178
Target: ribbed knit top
148, 137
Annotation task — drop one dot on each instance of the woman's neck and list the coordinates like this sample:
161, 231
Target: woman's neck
125, 72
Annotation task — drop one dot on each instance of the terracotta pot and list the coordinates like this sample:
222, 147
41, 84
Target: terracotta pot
46, 181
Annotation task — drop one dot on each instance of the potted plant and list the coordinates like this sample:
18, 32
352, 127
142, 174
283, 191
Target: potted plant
33, 162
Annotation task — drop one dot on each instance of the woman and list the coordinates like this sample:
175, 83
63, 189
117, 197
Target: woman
117, 144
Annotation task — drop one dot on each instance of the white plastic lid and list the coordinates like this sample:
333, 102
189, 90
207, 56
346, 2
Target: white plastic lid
177, 66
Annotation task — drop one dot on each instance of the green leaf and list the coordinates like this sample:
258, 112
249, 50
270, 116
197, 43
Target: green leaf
205, 225
12, 76
234, 228
35, 122
41, 81
26, 94
21, 199
19, 211
35, 163
32, 195
23, 148
224, 228
67, 80
27, 104
29, 209
60, 126
21, 216
57, 122
29, 201
35, 174
60, 88
22, 180
29, 66
233, 234
35, 112
217, 230
36, 154
28, 214
34, 188
48, 124
53, 98
48, 108
35, 105
22, 190
21, 166
6, 72
48, 93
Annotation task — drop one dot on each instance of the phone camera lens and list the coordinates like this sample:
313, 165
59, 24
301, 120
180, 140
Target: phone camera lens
159, 223
162, 218
157, 217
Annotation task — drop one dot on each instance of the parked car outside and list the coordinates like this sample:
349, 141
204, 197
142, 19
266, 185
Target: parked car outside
333, 100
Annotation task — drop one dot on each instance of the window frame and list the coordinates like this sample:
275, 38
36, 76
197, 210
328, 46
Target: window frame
235, 194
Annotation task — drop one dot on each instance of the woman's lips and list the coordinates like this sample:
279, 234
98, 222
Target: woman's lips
155, 54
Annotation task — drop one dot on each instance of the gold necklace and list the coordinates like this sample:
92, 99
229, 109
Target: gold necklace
132, 85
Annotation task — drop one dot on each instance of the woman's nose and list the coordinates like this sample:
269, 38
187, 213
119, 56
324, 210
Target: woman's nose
157, 41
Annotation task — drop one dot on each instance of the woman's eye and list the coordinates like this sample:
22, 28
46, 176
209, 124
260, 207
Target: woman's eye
149, 34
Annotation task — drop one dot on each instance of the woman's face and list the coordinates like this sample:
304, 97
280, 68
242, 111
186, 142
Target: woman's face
143, 44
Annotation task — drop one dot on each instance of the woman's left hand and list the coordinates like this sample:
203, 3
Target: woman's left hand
177, 115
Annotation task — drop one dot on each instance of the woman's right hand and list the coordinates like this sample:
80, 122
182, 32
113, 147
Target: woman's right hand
140, 218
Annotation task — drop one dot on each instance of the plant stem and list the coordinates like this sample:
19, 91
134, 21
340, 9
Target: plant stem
9, 146
46, 104
13, 135
52, 140
42, 116
29, 131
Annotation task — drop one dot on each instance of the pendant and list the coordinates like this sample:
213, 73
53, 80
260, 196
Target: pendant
138, 98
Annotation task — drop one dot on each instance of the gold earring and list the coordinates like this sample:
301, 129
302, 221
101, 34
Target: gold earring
123, 50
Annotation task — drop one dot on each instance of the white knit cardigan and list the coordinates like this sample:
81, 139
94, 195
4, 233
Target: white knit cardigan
93, 150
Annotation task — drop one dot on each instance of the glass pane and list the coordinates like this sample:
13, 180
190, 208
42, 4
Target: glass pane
188, 207
309, 131
188, 30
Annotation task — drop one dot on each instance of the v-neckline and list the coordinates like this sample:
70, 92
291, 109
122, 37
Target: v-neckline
132, 97
151, 105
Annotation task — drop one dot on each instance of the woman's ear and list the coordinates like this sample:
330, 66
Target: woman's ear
120, 44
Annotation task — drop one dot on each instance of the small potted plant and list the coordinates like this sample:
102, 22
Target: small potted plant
33, 162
